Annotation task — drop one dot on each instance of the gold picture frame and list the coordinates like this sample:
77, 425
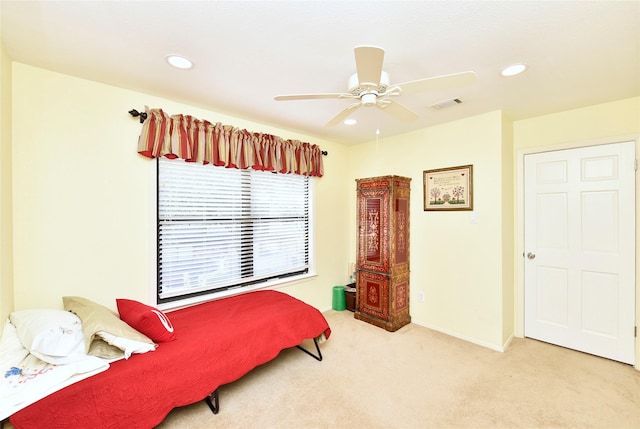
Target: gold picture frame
448, 189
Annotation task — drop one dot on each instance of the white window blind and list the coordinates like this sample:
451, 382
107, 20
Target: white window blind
221, 228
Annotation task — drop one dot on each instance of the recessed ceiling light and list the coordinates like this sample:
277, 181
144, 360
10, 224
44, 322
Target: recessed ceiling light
180, 62
513, 70
350, 122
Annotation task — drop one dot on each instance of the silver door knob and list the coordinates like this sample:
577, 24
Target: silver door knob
531, 255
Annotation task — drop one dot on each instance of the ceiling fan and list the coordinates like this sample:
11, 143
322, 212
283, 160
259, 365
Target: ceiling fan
370, 86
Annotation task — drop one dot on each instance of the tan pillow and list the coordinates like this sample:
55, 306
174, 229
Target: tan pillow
104, 350
97, 318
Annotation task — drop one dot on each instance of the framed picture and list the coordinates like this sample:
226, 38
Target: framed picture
448, 188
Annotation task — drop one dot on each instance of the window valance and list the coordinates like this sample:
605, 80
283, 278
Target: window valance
195, 140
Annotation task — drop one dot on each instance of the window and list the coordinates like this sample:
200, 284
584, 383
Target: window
222, 228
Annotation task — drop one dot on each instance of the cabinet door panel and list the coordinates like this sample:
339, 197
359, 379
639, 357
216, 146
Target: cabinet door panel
373, 240
374, 294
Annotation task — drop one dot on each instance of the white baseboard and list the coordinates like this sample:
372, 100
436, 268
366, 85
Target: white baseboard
465, 338
500, 349
507, 343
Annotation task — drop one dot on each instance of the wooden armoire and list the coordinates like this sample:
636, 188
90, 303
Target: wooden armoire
382, 267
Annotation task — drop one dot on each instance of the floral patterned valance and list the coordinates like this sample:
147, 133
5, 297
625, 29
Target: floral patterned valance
195, 140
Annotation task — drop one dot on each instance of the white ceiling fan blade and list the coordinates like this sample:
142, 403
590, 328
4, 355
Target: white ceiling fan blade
369, 64
398, 110
312, 96
344, 114
455, 80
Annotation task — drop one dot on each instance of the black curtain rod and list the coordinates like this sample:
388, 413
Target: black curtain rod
143, 117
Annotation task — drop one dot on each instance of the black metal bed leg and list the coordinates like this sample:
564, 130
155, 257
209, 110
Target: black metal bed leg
213, 401
319, 356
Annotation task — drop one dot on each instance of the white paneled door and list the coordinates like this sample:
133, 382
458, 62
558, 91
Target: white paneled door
580, 249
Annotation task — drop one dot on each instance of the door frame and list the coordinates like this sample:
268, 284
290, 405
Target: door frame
519, 219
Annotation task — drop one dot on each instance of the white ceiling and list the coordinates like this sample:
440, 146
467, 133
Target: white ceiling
579, 53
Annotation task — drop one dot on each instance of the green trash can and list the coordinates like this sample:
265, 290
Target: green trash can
339, 303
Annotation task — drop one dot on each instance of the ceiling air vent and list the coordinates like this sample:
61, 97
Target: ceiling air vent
446, 103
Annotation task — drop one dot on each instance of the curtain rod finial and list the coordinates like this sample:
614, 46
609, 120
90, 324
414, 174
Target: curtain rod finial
134, 113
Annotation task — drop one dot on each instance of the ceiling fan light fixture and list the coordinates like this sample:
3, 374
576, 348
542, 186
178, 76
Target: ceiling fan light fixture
513, 70
179, 62
369, 99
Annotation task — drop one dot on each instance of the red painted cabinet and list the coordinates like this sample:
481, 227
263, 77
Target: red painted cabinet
382, 277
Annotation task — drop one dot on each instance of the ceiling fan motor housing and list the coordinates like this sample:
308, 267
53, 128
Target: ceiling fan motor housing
359, 89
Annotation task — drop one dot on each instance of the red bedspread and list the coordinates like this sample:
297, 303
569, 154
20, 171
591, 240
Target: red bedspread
217, 343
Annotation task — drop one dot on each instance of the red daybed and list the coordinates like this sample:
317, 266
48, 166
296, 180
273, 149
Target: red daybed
217, 343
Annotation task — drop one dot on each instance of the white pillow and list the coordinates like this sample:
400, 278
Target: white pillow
54, 336
128, 346
11, 349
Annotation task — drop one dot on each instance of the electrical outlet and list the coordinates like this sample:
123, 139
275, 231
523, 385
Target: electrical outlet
420, 296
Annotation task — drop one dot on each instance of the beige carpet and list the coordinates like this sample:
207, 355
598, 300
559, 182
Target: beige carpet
418, 378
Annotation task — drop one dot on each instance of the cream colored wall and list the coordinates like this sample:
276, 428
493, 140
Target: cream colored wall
6, 227
508, 256
604, 123
456, 263
82, 195
571, 127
